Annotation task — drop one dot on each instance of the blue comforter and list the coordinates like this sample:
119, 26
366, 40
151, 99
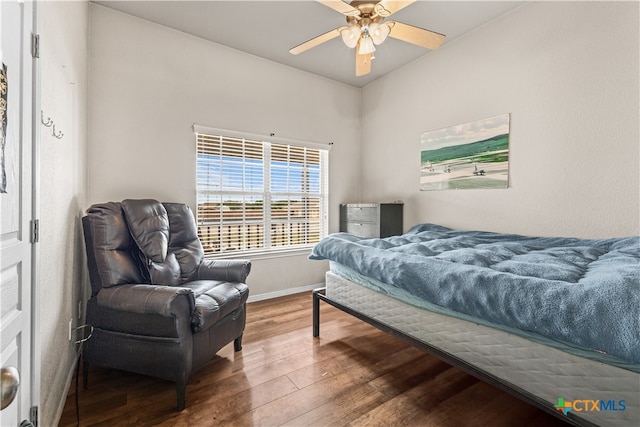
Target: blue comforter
581, 292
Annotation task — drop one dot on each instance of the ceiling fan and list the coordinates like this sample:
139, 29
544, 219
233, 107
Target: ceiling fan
367, 28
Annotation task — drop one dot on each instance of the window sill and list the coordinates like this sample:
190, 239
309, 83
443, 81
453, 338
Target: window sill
264, 254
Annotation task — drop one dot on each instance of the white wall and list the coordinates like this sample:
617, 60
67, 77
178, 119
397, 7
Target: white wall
568, 74
149, 84
63, 62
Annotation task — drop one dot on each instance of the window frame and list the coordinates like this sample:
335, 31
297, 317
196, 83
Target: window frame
268, 219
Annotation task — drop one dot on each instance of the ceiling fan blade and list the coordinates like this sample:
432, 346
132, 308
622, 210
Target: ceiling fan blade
388, 7
340, 6
315, 41
418, 36
363, 63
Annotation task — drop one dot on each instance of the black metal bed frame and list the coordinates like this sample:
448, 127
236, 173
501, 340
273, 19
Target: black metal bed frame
319, 294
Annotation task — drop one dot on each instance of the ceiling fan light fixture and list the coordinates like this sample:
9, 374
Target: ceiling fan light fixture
350, 35
378, 32
366, 45
366, 28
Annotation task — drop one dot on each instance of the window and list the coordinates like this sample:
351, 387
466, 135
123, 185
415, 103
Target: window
256, 195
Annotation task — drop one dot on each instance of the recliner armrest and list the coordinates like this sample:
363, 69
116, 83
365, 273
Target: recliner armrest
147, 299
229, 270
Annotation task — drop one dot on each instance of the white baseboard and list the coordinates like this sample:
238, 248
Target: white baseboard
284, 292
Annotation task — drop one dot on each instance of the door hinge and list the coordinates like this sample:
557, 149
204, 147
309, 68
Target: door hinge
34, 416
35, 45
35, 230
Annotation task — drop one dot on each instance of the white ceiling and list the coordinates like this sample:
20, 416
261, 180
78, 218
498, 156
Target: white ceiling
270, 28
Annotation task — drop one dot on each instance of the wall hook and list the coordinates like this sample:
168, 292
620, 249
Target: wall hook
58, 134
48, 123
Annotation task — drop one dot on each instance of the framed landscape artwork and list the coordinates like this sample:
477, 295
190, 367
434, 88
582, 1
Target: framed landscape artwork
472, 155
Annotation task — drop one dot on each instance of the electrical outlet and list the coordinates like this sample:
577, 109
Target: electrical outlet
70, 328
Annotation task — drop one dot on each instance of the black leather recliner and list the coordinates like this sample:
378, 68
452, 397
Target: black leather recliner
157, 307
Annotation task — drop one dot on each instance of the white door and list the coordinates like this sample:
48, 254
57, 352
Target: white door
17, 22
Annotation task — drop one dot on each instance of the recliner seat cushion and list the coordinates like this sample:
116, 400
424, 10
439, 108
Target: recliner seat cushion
215, 300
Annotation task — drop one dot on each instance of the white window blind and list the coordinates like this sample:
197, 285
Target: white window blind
259, 196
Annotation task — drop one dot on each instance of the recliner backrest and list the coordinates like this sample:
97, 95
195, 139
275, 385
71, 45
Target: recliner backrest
111, 253
166, 235
184, 241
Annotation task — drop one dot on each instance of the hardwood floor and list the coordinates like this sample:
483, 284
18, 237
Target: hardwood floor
352, 375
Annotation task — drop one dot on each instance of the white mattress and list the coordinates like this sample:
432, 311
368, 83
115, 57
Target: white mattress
545, 372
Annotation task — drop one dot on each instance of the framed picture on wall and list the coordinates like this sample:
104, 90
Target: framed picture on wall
471, 155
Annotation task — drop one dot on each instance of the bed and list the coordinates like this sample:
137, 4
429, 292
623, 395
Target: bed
554, 321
